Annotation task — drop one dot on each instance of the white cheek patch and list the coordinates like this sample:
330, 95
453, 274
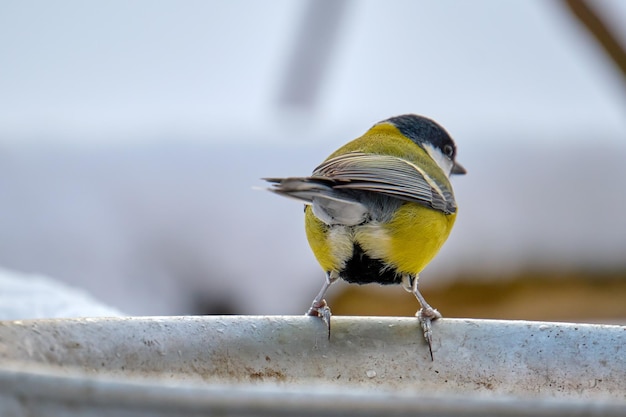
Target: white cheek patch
442, 160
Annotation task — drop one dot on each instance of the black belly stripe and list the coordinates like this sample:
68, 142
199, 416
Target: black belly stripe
361, 269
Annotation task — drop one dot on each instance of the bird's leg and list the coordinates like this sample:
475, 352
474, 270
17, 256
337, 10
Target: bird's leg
319, 308
426, 314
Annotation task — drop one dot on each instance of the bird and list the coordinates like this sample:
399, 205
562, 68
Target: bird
379, 208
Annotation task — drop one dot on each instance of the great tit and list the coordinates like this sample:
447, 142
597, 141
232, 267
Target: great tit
379, 208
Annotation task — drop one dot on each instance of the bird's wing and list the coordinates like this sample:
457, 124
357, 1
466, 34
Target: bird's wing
387, 175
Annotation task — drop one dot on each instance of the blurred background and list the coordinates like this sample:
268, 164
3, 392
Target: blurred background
132, 135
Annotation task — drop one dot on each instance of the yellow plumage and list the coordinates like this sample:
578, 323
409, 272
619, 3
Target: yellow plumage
380, 208
415, 233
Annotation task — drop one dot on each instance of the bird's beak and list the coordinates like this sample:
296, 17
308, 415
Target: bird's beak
457, 169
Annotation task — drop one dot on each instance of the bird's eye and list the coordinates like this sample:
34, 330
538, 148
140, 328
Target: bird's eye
448, 150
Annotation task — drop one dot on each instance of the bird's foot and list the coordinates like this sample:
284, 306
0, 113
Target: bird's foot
425, 317
321, 309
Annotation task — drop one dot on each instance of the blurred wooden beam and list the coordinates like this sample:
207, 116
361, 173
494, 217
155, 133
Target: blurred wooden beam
600, 30
550, 295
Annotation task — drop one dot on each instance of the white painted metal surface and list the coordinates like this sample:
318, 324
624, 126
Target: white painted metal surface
283, 365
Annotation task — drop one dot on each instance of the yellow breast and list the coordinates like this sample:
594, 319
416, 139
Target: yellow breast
416, 234
407, 243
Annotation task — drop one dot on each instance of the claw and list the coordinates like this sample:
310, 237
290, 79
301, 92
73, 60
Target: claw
425, 317
321, 310
426, 314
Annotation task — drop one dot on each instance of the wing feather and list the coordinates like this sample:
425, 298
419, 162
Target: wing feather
387, 175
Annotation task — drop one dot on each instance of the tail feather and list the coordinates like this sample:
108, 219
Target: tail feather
300, 188
330, 205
